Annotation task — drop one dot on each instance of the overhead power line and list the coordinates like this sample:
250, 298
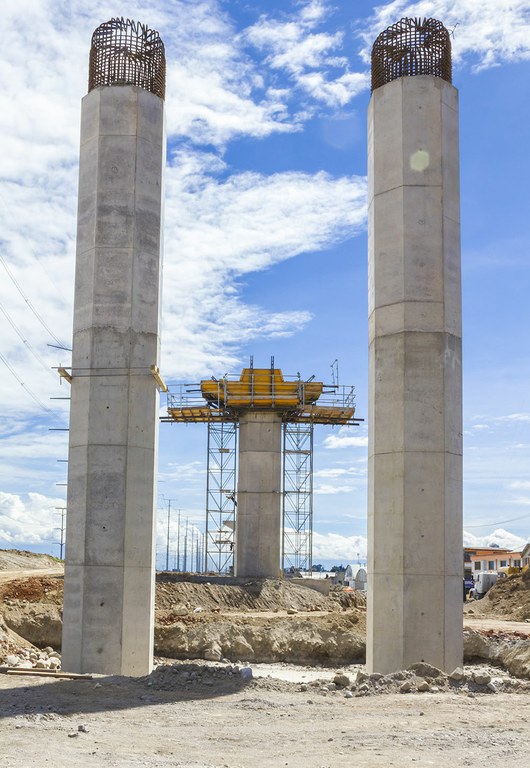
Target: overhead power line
22, 384
501, 522
25, 341
30, 305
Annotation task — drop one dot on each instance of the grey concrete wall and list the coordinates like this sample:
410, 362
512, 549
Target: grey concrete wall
258, 519
110, 532
415, 392
318, 585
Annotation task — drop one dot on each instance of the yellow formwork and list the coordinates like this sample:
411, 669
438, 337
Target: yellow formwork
261, 388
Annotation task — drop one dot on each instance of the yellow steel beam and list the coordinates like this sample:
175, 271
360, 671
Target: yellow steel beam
63, 373
158, 378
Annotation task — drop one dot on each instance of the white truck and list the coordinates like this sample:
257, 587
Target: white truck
483, 583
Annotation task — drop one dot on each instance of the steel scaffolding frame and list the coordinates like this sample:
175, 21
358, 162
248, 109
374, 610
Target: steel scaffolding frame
220, 496
297, 496
302, 403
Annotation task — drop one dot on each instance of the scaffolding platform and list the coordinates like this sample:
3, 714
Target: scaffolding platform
219, 403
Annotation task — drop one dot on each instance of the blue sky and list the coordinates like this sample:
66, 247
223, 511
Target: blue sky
265, 238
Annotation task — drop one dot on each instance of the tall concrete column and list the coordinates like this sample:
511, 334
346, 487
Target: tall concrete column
110, 536
258, 520
415, 394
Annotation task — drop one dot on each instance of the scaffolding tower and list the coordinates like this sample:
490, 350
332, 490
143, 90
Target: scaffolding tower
220, 496
297, 496
301, 403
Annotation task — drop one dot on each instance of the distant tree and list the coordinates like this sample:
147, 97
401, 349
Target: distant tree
336, 568
317, 568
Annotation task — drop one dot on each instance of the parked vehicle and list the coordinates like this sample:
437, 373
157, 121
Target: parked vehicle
483, 583
469, 584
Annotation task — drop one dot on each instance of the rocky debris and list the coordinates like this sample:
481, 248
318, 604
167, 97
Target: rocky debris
424, 679
226, 677
31, 658
481, 678
341, 680
10, 642
510, 651
185, 676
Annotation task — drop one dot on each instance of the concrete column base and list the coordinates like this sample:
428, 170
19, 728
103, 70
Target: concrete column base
258, 519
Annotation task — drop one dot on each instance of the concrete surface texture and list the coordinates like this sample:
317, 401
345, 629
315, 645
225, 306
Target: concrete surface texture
258, 519
415, 392
109, 575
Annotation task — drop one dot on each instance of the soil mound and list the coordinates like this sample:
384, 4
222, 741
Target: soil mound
509, 598
249, 620
13, 559
258, 620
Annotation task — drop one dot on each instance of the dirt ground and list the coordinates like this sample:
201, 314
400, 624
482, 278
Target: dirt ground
221, 721
208, 705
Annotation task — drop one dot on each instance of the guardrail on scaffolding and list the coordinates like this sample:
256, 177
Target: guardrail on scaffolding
296, 399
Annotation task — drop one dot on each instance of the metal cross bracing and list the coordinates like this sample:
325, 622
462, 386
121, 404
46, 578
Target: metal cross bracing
297, 512
221, 496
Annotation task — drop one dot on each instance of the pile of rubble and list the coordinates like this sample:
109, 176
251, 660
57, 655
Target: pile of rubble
424, 678
33, 658
420, 678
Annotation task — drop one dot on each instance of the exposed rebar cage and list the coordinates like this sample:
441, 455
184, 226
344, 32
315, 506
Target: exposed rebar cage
411, 47
125, 52
297, 513
221, 497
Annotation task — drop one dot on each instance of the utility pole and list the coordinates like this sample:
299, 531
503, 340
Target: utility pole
178, 541
62, 510
186, 547
168, 525
168, 528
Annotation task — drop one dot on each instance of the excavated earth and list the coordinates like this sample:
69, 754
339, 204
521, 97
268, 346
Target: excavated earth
229, 689
255, 620
250, 620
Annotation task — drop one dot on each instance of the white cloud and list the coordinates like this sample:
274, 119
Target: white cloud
523, 418
489, 32
334, 472
333, 546
219, 230
331, 490
34, 520
519, 485
220, 225
214, 91
188, 470
31, 520
339, 91
520, 500
499, 537
338, 441
310, 58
